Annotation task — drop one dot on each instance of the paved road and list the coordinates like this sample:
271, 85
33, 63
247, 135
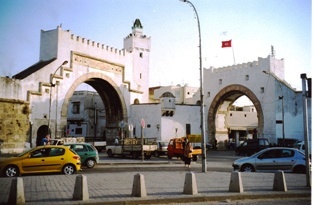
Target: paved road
162, 187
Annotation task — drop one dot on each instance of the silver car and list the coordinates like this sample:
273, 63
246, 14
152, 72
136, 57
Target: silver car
273, 159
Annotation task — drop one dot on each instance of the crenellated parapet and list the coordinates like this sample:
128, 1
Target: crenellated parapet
97, 45
249, 65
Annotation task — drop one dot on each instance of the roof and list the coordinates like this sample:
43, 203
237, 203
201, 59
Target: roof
137, 24
167, 94
32, 69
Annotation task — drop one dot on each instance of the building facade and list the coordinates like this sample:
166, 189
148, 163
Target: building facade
37, 100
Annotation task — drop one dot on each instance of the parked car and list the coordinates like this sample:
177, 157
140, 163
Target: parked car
88, 153
42, 159
162, 148
288, 142
272, 159
251, 146
301, 146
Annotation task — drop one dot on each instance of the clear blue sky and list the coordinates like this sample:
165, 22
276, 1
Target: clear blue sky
253, 26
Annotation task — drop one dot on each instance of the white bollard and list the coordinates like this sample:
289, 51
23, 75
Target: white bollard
17, 192
190, 186
81, 188
280, 182
236, 182
139, 188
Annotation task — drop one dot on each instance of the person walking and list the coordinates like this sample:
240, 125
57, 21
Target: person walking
188, 154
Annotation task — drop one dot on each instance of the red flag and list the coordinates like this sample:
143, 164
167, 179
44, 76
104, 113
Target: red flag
226, 44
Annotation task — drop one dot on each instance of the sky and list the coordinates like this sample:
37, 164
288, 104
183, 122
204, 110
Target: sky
253, 25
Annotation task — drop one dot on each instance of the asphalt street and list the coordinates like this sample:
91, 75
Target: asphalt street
164, 181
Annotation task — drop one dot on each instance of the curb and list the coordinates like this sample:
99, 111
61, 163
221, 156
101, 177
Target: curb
202, 198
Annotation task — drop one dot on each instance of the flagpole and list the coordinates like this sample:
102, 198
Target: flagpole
233, 56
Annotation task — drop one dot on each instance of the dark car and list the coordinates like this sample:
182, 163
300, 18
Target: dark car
87, 152
162, 148
273, 159
251, 146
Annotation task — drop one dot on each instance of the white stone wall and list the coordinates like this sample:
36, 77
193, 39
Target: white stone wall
169, 127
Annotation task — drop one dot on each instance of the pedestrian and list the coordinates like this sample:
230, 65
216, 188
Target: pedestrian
116, 141
188, 154
45, 140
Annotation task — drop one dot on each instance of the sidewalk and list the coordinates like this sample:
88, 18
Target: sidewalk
161, 187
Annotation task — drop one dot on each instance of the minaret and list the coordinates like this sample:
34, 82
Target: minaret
139, 46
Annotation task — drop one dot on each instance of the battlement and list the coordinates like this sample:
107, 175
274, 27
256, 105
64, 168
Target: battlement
248, 65
96, 44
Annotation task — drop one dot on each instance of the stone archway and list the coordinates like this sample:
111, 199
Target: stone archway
225, 98
41, 133
108, 91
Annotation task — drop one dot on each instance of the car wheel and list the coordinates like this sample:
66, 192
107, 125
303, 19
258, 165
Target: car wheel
156, 154
90, 163
11, 171
299, 169
68, 169
247, 168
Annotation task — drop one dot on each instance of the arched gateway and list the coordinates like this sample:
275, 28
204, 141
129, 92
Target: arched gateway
277, 104
221, 104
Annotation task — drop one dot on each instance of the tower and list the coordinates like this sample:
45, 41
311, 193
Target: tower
139, 46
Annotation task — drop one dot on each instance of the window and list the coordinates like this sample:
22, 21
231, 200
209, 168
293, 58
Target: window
79, 148
247, 77
78, 131
56, 152
76, 107
262, 90
220, 81
268, 154
285, 153
141, 55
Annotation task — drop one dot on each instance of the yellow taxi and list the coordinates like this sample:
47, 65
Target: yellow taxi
42, 159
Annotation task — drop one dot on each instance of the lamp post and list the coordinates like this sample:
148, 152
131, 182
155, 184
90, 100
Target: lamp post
50, 98
305, 128
204, 167
282, 108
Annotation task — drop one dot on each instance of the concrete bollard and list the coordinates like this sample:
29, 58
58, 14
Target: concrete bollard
17, 192
80, 188
236, 182
190, 186
139, 188
279, 182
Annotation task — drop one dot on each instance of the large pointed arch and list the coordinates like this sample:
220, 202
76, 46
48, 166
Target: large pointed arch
230, 94
108, 91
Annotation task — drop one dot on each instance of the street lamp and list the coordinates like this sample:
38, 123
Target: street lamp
282, 108
204, 167
50, 98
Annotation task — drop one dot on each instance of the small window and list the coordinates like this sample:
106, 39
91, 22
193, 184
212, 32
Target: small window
76, 107
141, 55
78, 131
220, 81
262, 90
247, 77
